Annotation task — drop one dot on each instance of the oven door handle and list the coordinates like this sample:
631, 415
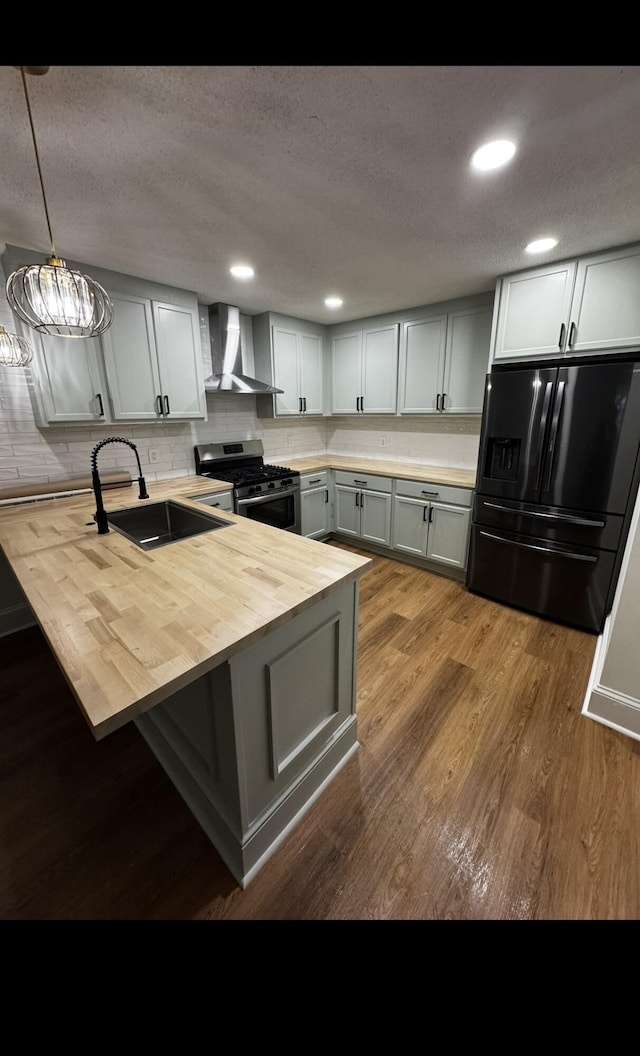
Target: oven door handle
283, 493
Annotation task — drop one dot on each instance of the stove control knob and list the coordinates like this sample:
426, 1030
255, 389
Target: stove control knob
271, 484
251, 491
258, 487
286, 482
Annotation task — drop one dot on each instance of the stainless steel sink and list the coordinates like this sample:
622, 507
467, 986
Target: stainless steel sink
159, 523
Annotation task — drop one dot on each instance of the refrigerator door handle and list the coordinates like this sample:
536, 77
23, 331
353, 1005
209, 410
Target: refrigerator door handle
554, 433
550, 516
546, 402
544, 549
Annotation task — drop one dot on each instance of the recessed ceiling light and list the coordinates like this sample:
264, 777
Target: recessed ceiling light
494, 154
333, 302
541, 245
242, 271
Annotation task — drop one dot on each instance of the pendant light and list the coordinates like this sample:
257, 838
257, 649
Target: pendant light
14, 350
52, 298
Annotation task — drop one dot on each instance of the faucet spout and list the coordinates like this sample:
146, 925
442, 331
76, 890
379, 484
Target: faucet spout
100, 516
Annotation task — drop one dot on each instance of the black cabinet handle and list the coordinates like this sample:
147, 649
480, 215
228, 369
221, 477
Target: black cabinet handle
304, 403
317, 481
326, 495
362, 500
357, 494
572, 335
425, 511
357, 403
99, 399
362, 404
362, 483
431, 494
167, 409
438, 402
430, 514
561, 338
299, 404
444, 406
159, 404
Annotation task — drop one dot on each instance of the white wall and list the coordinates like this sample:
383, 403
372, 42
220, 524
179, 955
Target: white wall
29, 454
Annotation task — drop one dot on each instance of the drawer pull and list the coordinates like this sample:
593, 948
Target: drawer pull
431, 494
363, 483
318, 481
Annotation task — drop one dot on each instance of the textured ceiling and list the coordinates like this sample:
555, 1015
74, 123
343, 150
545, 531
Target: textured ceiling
327, 179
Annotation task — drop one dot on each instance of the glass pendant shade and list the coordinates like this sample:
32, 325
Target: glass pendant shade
14, 350
53, 299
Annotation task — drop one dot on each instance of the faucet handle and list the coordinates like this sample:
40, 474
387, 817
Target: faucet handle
143, 488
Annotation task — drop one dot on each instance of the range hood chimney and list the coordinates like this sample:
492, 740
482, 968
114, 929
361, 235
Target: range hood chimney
226, 355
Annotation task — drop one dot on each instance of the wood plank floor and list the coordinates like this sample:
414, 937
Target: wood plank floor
479, 791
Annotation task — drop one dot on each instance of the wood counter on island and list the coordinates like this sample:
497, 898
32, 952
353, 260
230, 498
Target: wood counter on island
234, 651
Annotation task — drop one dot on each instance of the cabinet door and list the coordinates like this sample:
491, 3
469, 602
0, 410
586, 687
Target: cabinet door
380, 370
311, 387
131, 361
347, 510
448, 539
422, 367
177, 331
314, 512
375, 517
605, 312
285, 370
533, 312
466, 361
410, 526
346, 373
72, 385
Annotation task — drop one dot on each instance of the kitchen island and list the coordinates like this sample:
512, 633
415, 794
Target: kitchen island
233, 651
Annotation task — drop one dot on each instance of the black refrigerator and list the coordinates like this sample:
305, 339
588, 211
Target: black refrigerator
558, 471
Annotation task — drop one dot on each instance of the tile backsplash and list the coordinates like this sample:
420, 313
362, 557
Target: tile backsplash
29, 454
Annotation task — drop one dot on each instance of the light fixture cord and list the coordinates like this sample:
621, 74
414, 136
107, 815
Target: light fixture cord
35, 147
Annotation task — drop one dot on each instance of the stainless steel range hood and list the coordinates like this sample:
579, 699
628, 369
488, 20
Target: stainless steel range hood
226, 356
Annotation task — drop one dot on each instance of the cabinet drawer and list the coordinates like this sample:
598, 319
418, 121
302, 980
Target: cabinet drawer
363, 480
223, 500
313, 480
419, 489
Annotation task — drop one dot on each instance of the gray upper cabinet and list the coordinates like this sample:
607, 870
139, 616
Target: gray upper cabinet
70, 379
71, 384
443, 362
290, 354
146, 367
591, 305
364, 371
153, 360
297, 369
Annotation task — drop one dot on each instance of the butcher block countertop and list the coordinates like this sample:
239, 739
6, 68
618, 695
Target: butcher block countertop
464, 478
131, 627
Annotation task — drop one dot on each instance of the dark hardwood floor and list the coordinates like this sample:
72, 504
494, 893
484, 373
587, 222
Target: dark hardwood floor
479, 791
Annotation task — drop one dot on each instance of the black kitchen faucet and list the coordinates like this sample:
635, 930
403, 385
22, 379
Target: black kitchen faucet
100, 516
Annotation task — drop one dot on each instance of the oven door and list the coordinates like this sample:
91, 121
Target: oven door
280, 509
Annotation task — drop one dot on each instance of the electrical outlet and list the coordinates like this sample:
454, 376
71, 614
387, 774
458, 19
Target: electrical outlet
153, 454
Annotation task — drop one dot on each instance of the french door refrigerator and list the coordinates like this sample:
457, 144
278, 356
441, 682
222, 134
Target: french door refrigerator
558, 471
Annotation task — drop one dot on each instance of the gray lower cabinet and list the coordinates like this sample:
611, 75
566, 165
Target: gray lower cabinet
251, 744
432, 522
220, 500
362, 507
15, 611
315, 505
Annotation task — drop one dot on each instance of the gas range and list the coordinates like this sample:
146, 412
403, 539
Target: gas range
270, 494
